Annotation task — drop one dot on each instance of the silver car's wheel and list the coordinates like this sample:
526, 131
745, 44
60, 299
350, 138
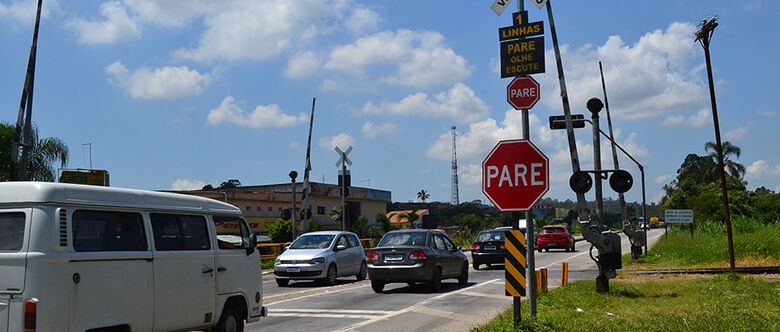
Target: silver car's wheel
363, 272
330, 279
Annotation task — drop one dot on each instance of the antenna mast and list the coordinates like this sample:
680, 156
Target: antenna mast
454, 200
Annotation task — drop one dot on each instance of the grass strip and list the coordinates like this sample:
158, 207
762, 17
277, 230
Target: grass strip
703, 304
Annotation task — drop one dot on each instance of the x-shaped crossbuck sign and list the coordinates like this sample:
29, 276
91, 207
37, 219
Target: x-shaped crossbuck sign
343, 156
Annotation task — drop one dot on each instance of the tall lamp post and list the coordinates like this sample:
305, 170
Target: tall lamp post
703, 36
293, 175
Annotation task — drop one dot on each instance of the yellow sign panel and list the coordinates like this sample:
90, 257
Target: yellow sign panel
514, 263
91, 177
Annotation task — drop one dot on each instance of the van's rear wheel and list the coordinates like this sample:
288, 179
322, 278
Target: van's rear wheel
231, 321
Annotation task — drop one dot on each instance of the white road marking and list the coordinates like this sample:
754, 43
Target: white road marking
313, 315
339, 311
493, 296
416, 306
330, 291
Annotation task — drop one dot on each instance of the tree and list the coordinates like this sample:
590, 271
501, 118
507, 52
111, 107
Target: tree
361, 227
410, 216
423, 195
229, 184
281, 231
383, 222
208, 187
335, 214
44, 154
734, 168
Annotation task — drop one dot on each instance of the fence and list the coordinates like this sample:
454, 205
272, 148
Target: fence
273, 250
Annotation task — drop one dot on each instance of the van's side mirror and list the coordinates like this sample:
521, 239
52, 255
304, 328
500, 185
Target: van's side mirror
251, 242
341, 247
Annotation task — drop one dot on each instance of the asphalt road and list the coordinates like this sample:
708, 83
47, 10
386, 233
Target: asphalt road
353, 306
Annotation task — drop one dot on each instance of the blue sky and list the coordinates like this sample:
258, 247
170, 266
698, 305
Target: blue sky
178, 94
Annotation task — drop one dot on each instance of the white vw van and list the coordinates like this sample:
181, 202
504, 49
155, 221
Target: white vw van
87, 258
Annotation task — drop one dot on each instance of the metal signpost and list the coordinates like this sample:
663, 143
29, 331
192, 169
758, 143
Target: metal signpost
343, 161
520, 56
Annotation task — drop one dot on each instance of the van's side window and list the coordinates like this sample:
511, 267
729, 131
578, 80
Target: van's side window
11, 231
179, 232
108, 231
230, 232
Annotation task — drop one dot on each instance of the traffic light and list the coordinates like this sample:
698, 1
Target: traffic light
286, 214
621, 181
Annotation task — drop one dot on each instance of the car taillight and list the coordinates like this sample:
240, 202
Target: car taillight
475, 247
417, 255
30, 309
372, 256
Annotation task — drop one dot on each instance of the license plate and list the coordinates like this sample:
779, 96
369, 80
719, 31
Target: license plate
394, 257
490, 247
293, 269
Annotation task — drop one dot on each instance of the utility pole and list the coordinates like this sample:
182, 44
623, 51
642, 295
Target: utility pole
343, 161
19, 167
703, 36
293, 175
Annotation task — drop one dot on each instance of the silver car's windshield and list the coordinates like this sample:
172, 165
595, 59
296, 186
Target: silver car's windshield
403, 239
312, 242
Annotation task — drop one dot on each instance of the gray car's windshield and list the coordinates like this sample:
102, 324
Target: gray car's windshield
490, 236
312, 242
403, 239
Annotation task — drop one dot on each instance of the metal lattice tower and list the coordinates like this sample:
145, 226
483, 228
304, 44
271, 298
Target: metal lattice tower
454, 200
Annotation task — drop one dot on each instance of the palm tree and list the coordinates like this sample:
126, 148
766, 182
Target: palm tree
44, 153
423, 195
410, 216
335, 214
734, 168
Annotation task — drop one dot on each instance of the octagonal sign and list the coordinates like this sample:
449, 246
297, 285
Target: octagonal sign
515, 175
523, 92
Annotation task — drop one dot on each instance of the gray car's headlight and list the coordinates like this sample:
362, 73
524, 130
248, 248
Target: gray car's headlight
277, 261
318, 260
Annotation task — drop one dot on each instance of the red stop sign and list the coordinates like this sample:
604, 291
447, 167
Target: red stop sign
523, 92
515, 175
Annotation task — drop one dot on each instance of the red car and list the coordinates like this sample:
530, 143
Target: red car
555, 236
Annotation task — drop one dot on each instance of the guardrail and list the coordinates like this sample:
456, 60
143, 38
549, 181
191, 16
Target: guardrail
273, 250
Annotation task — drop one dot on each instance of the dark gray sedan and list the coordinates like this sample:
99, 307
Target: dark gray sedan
417, 255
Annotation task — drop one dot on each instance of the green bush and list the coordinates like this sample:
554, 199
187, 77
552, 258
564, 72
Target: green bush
314, 226
281, 231
360, 227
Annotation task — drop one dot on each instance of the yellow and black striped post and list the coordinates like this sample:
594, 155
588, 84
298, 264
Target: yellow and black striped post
514, 263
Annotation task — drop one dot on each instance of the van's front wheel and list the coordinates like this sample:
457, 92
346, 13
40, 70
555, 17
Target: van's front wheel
231, 321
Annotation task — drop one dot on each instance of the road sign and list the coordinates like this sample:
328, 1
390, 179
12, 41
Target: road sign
539, 3
559, 121
522, 93
93, 177
514, 263
499, 6
343, 156
678, 216
522, 57
515, 175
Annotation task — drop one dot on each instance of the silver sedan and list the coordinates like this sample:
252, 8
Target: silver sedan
322, 256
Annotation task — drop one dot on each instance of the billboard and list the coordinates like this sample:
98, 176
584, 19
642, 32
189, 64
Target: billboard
95, 177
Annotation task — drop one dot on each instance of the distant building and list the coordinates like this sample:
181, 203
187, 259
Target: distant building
545, 211
263, 204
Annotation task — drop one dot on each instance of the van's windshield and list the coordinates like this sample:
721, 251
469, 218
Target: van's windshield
11, 231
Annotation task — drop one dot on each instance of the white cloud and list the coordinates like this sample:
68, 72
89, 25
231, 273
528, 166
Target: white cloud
657, 75
760, 169
471, 174
739, 132
459, 103
699, 119
766, 113
663, 179
295, 145
421, 58
116, 26
362, 19
342, 141
426, 171
184, 184
302, 64
259, 30
158, 83
23, 11
263, 116
373, 131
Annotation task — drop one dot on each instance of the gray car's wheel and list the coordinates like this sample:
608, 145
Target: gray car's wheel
377, 285
330, 278
436, 280
282, 282
231, 321
464, 275
363, 272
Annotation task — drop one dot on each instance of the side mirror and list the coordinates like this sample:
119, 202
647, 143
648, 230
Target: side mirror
457, 248
340, 247
251, 242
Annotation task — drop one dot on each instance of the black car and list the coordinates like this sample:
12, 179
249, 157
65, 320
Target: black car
416, 255
488, 248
